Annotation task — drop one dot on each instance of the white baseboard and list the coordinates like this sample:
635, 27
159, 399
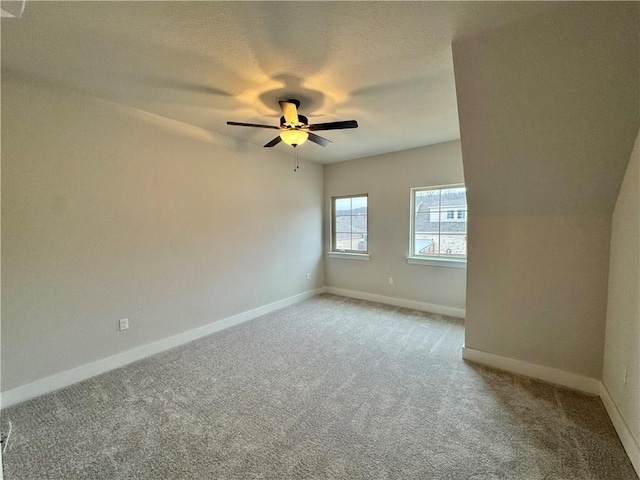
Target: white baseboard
399, 302
547, 374
629, 442
565, 379
75, 375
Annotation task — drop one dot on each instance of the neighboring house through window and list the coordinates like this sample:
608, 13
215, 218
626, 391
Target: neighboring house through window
350, 224
439, 222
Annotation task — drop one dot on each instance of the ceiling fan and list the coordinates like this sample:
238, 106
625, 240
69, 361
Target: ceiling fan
295, 128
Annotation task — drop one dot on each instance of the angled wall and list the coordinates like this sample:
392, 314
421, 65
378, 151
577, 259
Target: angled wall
548, 112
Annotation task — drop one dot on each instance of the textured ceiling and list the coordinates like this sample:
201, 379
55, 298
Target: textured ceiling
387, 65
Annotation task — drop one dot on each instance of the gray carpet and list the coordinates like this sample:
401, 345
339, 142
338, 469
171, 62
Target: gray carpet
331, 388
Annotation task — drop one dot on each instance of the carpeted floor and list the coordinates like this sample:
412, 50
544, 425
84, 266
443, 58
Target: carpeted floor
331, 388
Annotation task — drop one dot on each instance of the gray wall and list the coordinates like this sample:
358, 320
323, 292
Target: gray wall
108, 213
537, 289
622, 340
548, 112
388, 180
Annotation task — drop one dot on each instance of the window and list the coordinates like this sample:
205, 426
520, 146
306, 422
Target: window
439, 222
349, 221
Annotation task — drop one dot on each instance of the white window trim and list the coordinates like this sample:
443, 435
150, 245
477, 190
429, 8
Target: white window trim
349, 255
346, 253
438, 262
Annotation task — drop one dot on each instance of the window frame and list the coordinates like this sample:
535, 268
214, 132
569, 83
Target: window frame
334, 250
439, 259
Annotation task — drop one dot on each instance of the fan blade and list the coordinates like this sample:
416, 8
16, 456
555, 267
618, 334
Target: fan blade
323, 142
239, 124
333, 125
274, 142
290, 112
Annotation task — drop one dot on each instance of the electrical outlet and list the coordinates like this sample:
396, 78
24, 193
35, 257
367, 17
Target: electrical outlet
124, 323
390, 280
308, 276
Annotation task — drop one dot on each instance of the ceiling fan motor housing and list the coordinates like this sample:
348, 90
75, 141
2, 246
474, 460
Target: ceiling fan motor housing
304, 121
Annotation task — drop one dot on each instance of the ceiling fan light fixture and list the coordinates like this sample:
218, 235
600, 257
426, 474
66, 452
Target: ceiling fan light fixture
294, 137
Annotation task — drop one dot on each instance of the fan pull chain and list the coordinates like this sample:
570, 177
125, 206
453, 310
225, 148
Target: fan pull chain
296, 163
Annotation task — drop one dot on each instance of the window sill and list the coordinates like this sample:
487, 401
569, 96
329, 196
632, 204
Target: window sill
350, 256
438, 262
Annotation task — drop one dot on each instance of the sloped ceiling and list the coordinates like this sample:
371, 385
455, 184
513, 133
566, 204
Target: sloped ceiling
549, 110
198, 64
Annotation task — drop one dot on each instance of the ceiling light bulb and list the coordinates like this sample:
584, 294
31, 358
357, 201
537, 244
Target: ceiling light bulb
294, 137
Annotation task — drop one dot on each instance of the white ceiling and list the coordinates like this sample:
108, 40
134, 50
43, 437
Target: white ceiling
387, 65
